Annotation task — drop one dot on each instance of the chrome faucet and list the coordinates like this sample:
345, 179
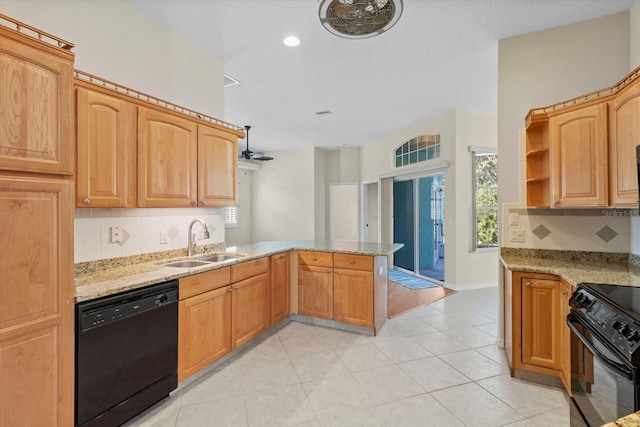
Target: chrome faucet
192, 237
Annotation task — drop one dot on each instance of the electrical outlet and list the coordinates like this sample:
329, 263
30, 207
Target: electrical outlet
163, 237
514, 219
116, 234
516, 236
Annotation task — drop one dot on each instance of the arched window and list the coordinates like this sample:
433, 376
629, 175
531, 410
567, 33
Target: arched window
418, 149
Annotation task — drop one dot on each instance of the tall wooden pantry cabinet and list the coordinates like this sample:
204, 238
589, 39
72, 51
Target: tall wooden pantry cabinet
36, 227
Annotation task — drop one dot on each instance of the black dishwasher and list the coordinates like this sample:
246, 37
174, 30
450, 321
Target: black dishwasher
126, 353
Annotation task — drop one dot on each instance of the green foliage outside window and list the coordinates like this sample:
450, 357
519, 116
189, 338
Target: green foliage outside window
486, 199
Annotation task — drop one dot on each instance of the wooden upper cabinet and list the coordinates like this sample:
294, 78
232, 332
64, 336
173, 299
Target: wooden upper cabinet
106, 136
624, 135
217, 167
37, 303
36, 120
167, 160
578, 154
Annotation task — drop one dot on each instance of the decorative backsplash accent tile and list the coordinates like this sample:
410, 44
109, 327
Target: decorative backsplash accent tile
606, 233
125, 236
541, 232
173, 232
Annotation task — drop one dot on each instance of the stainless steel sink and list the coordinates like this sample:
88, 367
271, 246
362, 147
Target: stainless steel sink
218, 257
186, 264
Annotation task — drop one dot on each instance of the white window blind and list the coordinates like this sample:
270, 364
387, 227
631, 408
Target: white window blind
231, 216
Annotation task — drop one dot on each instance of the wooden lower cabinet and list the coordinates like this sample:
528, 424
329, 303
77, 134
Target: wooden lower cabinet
541, 322
36, 301
250, 309
315, 291
540, 338
280, 287
204, 333
346, 288
565, 335
353, 297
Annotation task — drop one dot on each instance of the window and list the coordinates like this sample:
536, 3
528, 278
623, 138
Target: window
419, 149
230, 217
485, 198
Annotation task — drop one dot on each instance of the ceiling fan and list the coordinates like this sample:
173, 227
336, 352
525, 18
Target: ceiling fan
250, 155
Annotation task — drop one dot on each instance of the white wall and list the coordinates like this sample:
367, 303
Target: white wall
116, 42
542, 68
241, 234
458, 129
473, 128
634, 36
141, 230
321, 229
539, 69
283, 190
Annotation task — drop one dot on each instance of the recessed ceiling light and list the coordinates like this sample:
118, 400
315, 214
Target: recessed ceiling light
291, 41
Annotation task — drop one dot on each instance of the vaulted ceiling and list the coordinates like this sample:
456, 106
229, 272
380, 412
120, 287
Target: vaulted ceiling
441, 54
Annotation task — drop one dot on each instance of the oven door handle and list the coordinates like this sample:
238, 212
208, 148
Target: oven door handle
619, 367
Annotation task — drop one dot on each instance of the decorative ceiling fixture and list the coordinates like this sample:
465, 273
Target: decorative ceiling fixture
250, 155
359, 19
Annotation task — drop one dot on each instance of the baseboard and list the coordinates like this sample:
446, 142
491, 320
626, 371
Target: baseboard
470, 286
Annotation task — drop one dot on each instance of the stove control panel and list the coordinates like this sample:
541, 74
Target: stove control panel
617, 328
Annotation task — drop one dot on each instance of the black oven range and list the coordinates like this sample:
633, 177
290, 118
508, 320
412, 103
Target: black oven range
605, 353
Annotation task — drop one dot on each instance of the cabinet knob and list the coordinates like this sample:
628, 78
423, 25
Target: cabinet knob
86, 201
329, 270
564, 293
314, 259
229, 290
194, 203
528, 283
351, 262
203, 203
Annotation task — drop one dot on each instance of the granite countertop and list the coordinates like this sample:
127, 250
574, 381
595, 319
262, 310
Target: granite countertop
574, 266
632, 420
107, 277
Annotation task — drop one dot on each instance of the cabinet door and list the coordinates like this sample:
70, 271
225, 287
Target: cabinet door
565, 336
280, 287
167, 160
36, 302
541, 322
624, 135
578, 153
217, 167
250, 313
204, 330
353, 296
106, 136
315, 291
36, 124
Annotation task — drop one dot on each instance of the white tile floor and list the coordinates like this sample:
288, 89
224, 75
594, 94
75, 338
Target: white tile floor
436, 366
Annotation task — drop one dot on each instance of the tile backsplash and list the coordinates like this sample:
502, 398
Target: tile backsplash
607, 230
141, 230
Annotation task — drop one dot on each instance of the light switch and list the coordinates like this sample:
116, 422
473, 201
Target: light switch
116, 234
516, 236
163, 237
514, 219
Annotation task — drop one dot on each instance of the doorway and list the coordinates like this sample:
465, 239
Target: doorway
418, 222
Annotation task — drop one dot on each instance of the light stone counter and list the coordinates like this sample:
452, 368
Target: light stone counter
574, 266
632, 420
106, 277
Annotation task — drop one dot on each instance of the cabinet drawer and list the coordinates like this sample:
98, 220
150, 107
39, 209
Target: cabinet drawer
203, 282
321, 259
249, 269
354, 262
